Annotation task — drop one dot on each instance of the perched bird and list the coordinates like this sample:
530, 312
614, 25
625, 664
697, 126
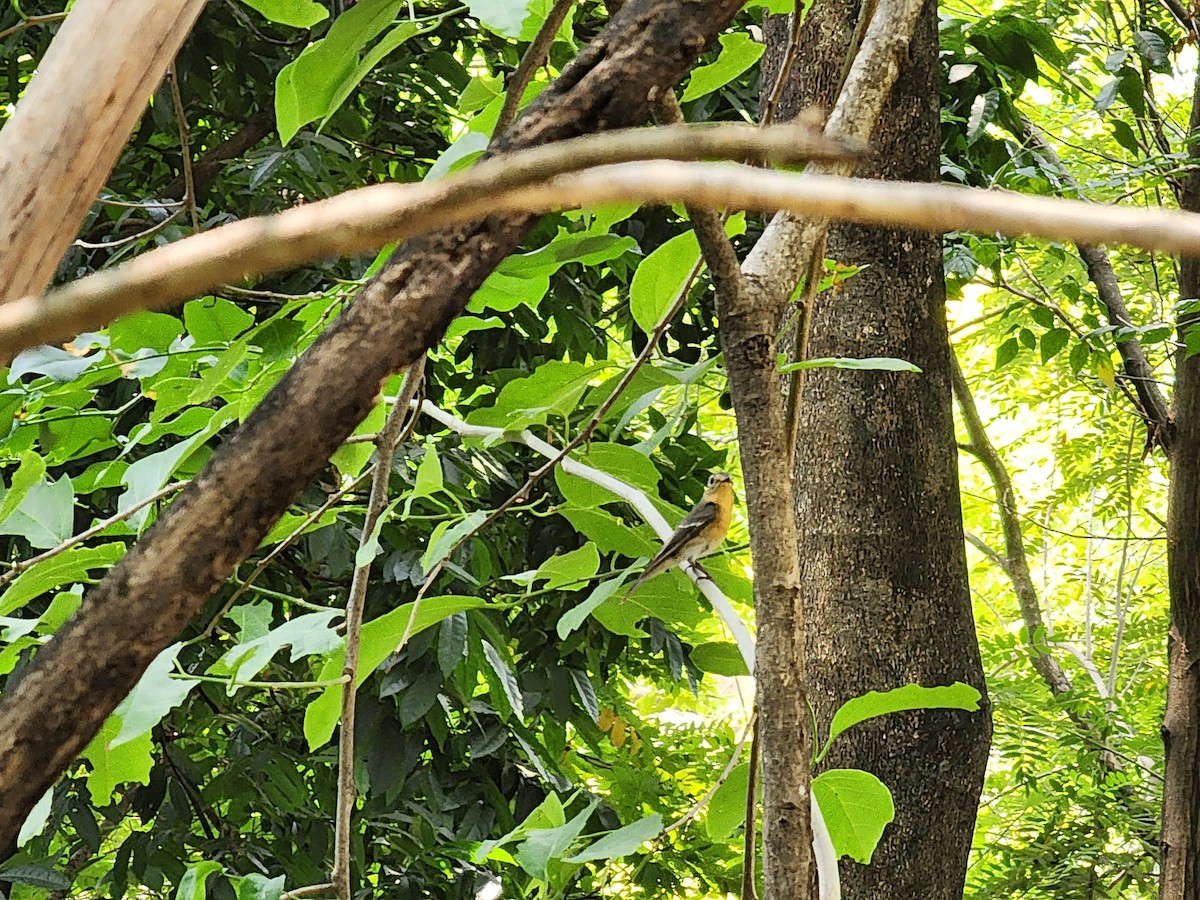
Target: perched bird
700, 533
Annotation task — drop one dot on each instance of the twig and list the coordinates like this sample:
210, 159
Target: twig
30, 22
189, 192
332, 500
750, 832
696, 808
24, 564
311, 890
535, 56
385, 451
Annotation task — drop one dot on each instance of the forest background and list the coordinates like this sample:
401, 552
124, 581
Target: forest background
523, 729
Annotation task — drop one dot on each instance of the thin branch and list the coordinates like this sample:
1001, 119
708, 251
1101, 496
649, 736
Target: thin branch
1016, 563
185, 148
1152, 405
385, 452
696, 808
24, 564
368, 218
535, 56
30, 22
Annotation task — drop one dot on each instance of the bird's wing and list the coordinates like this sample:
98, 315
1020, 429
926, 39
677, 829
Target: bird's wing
691, 526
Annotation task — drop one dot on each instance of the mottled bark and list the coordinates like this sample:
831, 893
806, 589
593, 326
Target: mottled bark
883, 568
50, 714
1181, 722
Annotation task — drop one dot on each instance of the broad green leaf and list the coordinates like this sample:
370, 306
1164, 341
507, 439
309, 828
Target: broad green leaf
36, 875
452, 642
306, 88
1053, 342
880, 363
215, 321
29, 473
660, 278
573, 618
143, 330
259, 887
53, 362
910, 696
377, 642
46, 515
429, 480
544, 844
192, 885
307, 635
130, 761
571, 567
586, 693
505, 17
370, 60
720, 658
151, 473
507, 680
625, 463
155, 695
727, 808
552, 390
297, 13
610, 533
35, 824
445, 536
739, 52
623, 841
67, 567
856, 807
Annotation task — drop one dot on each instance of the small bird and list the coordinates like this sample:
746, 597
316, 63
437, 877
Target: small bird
700, 533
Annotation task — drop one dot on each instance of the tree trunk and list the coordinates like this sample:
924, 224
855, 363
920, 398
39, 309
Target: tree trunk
1181, 723
883, 567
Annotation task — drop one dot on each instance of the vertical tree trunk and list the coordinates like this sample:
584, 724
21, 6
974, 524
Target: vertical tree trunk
1181, 723
883, 567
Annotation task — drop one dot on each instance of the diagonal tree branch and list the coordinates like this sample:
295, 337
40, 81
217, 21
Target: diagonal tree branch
1153, 406
80, 676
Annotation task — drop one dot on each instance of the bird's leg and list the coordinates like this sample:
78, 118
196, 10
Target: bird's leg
700, 570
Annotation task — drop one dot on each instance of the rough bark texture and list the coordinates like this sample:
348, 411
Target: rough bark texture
883, 568
1181, 723
57, 150
79, 677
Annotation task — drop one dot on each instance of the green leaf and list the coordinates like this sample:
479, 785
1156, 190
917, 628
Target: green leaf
67, 567
370, 60
259, 887
35, 875
505, 17
506, 678
610, 533
215, 321
1007, 352
570, 568
351, 459
739, 52
727, 808
879, 363
445, 536
856, 807
544, 844
130, 761
306, 635
552, 390
1151, 47
46, 515
155, 695
144, 330
910, 696
308, 88
660, 278
35, 824
377, 642
720, 658
623, 841
1053, 342
429, 479
192, 885
625, 463
297, 13
573, 618
30, 471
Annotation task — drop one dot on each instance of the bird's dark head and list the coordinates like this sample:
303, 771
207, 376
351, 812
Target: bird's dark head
719, 478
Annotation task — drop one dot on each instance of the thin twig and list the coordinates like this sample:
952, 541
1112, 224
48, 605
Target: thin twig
30, 22
730, 764
311, 890
189, 195
385, 451
535, 56
24, 564
750, 833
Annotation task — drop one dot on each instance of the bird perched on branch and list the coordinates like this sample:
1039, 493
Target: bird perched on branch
700, 533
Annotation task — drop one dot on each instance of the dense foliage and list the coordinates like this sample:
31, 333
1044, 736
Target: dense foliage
531, 710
